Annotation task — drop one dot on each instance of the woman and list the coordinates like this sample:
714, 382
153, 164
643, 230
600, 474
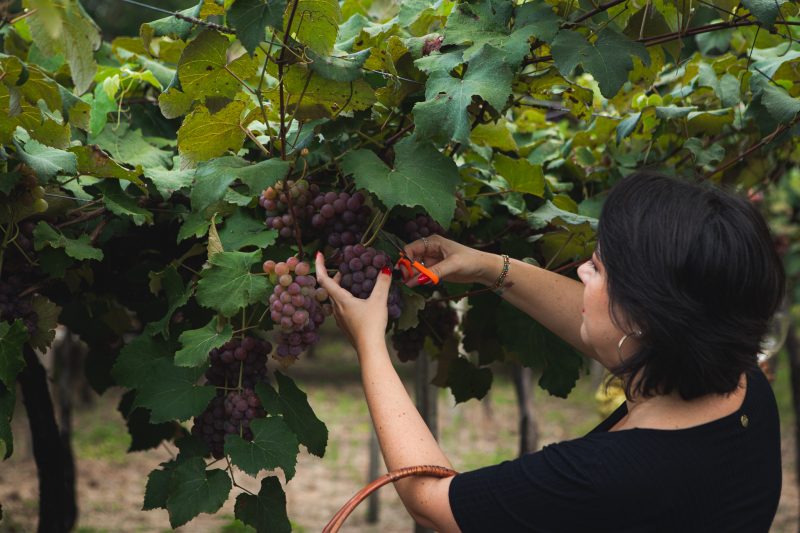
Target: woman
674, 300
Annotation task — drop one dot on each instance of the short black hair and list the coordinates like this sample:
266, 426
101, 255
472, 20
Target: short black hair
694, 268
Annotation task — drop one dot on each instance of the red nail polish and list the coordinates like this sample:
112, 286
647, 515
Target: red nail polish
387, 271
423, 279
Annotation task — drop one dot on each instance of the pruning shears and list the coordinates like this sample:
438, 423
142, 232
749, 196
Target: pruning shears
409, 265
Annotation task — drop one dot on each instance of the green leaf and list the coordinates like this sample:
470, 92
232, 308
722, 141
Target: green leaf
204, 70
12, 339
251, 17
413, 303
195, 490
144, 435
241, 230
495, 134
298, 415
204, 135
780, 105
122, 204
168, 181
130, 146
339, 68
421, 176
137, 359
213, 178
765, 11
540, 349
95, 162
177, 296
156, 491
522, 176
45, 161
274, 445
315, 24
627, 126
548, 212
80, 248
198, 342
468, 381
170, 26
47, 315
229, 285
8, 401
170, 392
443, 115
102, 105
608, 59
67, 30
488, 23
267, 510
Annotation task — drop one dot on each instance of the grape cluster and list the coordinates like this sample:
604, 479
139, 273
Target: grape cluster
227, 414
276, 200
359, 266
342, 217
438, 321
239, 357
296, 306
421, 226
12, 307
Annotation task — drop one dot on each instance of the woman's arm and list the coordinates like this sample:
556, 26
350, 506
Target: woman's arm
551, 299
405, 439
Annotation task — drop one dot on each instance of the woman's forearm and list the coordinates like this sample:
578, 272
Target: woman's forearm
404, 438
553, 300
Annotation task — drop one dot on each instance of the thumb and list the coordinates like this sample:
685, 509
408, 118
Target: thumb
382, 283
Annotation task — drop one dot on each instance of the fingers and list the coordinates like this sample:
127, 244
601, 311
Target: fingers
421, 279
419, 250
381, 290
330, 285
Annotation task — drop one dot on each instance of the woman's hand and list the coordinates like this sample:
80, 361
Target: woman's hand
452, 261
363, 321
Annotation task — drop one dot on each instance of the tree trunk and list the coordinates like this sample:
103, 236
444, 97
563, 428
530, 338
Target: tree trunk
528, 428
426, 396
58, 510
373, 503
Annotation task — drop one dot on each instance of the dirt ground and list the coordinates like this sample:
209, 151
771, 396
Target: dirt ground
111, 483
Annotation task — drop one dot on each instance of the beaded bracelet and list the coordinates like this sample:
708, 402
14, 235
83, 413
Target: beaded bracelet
498, 285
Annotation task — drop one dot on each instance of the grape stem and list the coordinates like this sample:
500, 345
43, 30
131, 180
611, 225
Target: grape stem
233, 479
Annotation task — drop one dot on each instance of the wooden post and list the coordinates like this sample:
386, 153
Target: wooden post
426, 396
528, 429
373, 503
793, 350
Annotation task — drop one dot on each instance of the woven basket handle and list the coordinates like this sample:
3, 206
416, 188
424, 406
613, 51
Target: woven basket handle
339, 518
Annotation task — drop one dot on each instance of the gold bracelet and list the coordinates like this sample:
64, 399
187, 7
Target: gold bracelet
498, 285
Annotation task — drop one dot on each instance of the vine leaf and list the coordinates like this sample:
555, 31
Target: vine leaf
67, 30
213, 178
198, 342
170, 392
122, 204
765, 11
522, 175
421, 176
468, 381
488, 22
93, 161
81, 248
144, 435
204, 134
177, 295
8, 401
194, 490
12, 339
780, 105
549, 211
45, 161
204, 70
274, 445
47, 314
267, 510
168, 181
134, 364
608, 59
297, 413
250, 17
339, 68
229, 285
443, 115
241, 230
315, 24
170, 26
540, 349
129, 145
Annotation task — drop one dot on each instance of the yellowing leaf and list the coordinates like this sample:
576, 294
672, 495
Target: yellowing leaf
204, 135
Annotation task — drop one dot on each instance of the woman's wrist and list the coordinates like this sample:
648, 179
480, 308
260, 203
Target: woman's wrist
492, 266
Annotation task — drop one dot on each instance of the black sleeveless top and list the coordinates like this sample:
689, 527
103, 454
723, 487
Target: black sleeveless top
721, 476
